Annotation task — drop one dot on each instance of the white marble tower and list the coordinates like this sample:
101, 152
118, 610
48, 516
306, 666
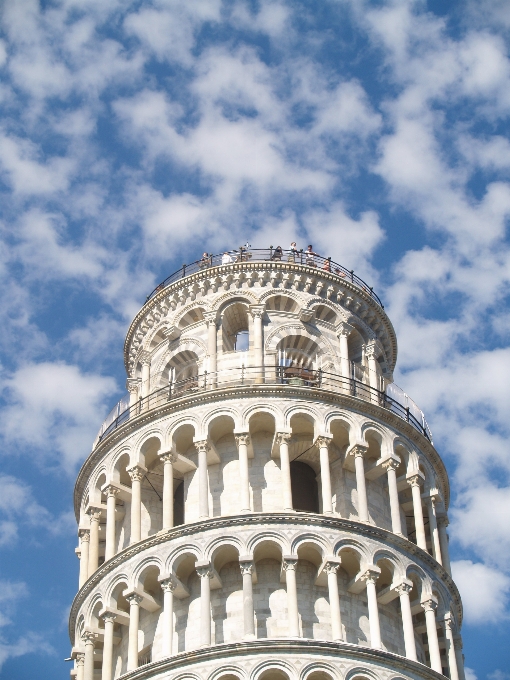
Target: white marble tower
266, 504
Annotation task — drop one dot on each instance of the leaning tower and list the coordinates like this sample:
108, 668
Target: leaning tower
265, 504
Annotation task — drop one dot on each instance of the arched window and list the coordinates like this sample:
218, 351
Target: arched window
235, 325
305, 494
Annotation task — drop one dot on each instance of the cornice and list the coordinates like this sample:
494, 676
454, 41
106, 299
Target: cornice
352, 296
279, 647
239, 392
257, 519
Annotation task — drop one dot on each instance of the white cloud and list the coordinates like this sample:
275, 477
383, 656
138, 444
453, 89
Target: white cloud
484, 591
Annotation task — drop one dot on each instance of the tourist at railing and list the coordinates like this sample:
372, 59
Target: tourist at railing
293, 252
310, 259
226, 258
277, 254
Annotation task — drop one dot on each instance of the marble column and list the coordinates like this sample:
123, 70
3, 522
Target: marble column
283, 440
434, 531
429, 607
212, 346
343, 331
331, 567
79, 665
168, 586
145, 360
403, 590
168, 459
203, 484
111, 498
391, 466
327, 499
289, 565
442, 523
257, 312
134, 618
370, 577
133, 387
373, 377
359, 466
242, 441
84, 535
109, 622
88, 666
95, 517
450, 647
414, 482
246, 566
205, 572
136, 473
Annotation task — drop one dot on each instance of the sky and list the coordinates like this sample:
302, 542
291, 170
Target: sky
135, 135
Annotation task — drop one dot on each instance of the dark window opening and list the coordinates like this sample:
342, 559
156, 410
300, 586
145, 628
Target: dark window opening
179, 505
242, 341
305, 493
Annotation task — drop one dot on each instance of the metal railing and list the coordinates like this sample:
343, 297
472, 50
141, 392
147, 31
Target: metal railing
315, 380
268, 255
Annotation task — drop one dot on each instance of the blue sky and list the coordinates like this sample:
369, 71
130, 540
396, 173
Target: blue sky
135, 135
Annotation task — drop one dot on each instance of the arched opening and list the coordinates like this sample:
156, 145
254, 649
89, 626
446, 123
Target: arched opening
356, 347
273, 674
319, 675
281, 303
235, 328
181, 372
195, 315
324, 313
298, 360
305, 492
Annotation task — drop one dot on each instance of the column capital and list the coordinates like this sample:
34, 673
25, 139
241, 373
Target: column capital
210, 317
202, 445
133, 385
343, 328
403, 587
449, 621
443, 521
133, 598
111, 490
323, 440
242, 438
415, 480
332, 566
289, 562
167, 457
429, 605
204, 569
283, 438
136, 472
246, 566
390, 464
88, 637
145, 358
108, 616
358, 450
370, 575
371, 350
168, 585
79, 657
94, 513
84, 535
257, 311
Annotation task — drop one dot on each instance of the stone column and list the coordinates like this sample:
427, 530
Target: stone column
289, 565
242, 441
459, 655
370, 577
323, 444
371, 354
205, 572
95, 516
80, 662
246, 566
442, 523
88, 666
434, 532
403, 590
257, 312
109, 621
450, 647
145, 360
132, 386
331, 567
203, 485
212, 345
343, 331
283, 439
414, 483
84, 535
359, 465
134, 619
391, 466
168, 459
429, 607
137, 474
168, 586
111, 495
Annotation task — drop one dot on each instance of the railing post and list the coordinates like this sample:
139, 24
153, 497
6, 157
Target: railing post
205, 380
183, 270
352, 275
407, 413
